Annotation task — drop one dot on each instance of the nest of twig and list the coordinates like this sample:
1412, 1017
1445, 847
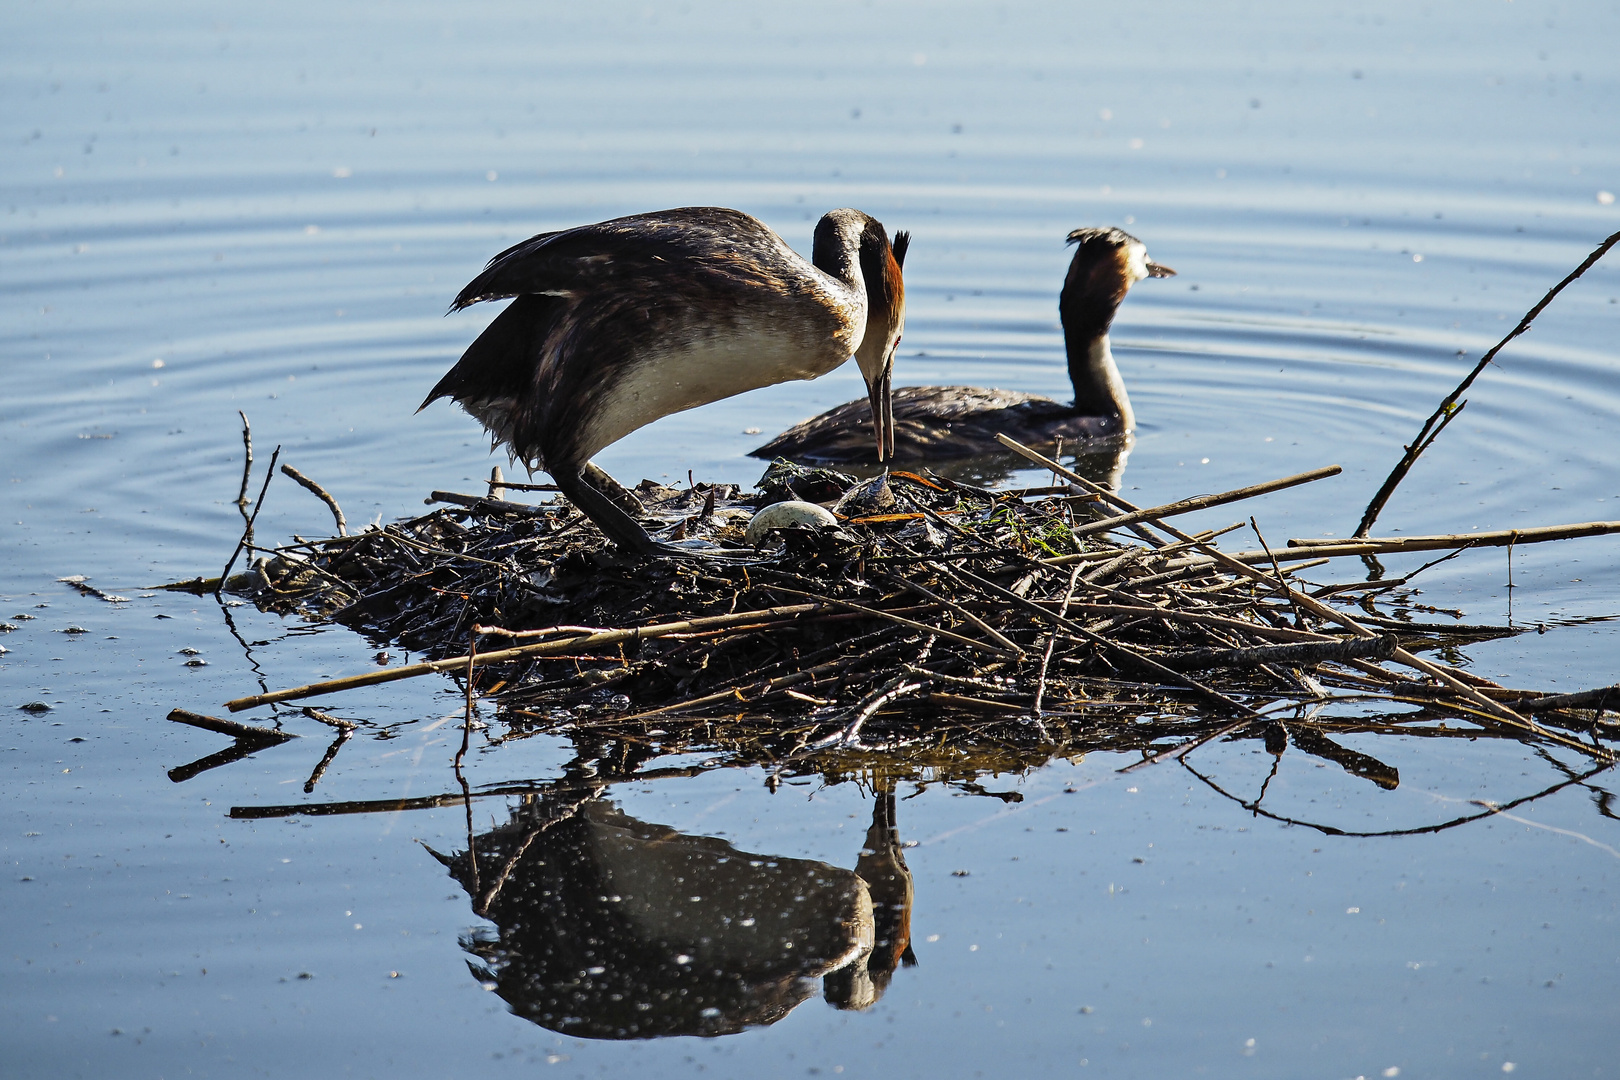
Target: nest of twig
937, 618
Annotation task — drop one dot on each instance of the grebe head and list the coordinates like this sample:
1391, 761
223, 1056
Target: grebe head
851, 245
1106, 264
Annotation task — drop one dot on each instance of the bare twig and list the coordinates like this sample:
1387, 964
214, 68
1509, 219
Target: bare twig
1299, 620
247, 464
466, 724
1051, 640
328, 719
851, 733
1585, 699
1311, 652
500, 656
1449, 406
1374, 545
1202, 502
1314, 606
880, 614
234, 728
489, 506
247, 533
320, 493
991, 632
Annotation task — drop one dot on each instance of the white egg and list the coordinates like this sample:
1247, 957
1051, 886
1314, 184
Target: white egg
787, 515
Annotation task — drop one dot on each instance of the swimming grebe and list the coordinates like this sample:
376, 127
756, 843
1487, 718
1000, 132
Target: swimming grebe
939, 422
620, 323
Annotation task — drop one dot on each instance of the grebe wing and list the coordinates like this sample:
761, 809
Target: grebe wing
957, 402
839, 433
939, 423
698, 240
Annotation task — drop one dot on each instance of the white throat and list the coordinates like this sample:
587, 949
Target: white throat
1099, 388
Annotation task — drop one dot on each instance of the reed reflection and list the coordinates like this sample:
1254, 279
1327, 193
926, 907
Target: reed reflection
608, 927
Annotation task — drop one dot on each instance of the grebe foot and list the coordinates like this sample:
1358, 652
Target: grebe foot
615, 524
627, 533
617, 493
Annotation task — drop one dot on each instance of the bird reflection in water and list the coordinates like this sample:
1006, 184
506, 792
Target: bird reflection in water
607, 927
1103, 465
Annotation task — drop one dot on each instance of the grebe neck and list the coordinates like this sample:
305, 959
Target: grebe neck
1098, 388
1092, 293
837, 252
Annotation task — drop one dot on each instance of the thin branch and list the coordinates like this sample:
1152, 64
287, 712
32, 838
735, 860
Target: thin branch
500, 656
1202, 502
320, 493
247, 464
247, 533
1449, 406
234, 728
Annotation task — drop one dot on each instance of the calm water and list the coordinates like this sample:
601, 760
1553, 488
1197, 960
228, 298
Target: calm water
268, 208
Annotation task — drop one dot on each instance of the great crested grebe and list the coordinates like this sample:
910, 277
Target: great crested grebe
620, 323
939, 422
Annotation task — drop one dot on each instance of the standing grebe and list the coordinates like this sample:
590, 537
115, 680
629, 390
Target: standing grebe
620, 323
936, 422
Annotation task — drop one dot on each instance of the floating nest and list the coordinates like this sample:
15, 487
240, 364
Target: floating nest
954, 627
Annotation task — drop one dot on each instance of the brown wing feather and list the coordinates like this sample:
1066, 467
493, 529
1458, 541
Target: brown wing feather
721, 241
937, 423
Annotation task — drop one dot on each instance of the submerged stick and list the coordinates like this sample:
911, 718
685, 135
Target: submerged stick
466, 726
343, 736
320, 493
1449, 406
1187, 747
500, 656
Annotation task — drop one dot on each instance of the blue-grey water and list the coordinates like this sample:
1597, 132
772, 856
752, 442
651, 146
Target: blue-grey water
267, 208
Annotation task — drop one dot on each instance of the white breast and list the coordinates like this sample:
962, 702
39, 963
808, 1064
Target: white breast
705, 371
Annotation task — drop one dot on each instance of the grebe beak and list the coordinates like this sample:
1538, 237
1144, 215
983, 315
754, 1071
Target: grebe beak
879, 393
1157, 270
885, 322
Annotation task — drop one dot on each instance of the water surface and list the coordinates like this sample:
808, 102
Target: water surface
208, 210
